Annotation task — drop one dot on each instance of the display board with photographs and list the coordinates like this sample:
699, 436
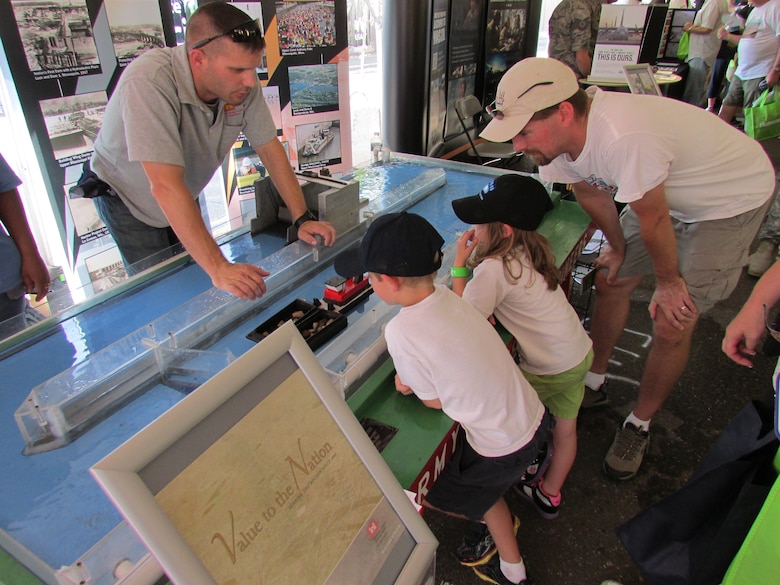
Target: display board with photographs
310, 67
66, 57
505, 37
465, 42
675, 31
437, 99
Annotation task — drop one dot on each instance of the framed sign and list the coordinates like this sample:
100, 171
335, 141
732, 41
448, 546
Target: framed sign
260, 465
641, 80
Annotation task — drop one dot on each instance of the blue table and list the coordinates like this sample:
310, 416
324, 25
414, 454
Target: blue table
52, 512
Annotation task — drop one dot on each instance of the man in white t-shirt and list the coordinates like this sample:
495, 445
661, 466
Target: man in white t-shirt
695, 189
758, 56
703, 48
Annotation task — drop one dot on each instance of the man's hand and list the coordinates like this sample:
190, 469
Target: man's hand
36, 277
743, 335
610, 259
673, 299
772, 78
242, 280
310, 229
746, 330
401, 387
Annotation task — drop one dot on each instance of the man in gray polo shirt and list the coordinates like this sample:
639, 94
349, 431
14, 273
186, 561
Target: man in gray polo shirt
168, 126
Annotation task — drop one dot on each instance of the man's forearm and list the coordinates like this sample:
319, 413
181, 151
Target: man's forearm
584, 62
661, 244
657, 233
601, 208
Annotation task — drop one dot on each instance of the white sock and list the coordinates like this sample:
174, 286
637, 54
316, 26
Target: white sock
643, 425
594, 381
515, 572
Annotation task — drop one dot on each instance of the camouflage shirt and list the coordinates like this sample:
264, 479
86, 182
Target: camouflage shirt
574, 26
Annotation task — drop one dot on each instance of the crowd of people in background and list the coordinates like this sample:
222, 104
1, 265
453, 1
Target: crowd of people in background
306, 25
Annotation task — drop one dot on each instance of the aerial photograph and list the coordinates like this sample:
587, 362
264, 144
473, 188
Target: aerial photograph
314, 88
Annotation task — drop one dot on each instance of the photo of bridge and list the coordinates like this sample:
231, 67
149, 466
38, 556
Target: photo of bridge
135, 27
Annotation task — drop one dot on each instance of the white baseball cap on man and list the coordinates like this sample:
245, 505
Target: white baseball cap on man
529, 86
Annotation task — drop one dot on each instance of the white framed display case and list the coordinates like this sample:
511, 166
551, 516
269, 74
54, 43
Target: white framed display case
263, 475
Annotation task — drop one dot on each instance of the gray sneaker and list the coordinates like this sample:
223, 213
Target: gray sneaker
595, 398
626, 453
762, 258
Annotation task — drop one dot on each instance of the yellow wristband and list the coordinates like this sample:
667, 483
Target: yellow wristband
459, 272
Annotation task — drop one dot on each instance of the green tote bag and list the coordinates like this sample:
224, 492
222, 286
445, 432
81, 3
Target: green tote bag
762, 119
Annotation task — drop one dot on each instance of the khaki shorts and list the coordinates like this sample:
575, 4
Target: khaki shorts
711, 254
742, 92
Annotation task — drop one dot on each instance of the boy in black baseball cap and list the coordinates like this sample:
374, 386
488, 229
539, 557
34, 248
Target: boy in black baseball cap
452, 359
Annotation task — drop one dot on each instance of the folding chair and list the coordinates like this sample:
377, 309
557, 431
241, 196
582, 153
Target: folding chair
487, 153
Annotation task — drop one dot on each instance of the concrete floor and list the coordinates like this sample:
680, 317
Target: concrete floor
580, 547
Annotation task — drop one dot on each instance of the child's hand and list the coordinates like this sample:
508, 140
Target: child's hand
401, 387
466, 244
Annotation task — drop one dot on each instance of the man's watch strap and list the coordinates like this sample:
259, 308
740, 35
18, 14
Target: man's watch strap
308, 216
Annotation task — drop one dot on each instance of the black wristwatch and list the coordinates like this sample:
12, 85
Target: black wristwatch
308, 216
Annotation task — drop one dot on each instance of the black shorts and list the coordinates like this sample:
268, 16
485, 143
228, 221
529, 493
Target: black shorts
471, 484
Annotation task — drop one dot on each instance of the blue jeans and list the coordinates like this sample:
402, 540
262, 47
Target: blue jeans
12, 317
140, 245
696, 82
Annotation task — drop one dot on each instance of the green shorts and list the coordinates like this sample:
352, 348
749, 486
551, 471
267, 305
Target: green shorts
711, 254
562, 393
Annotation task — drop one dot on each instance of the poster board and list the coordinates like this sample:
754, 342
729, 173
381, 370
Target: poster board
506, 41
260, 463
465, 42
67, 56
621, 30
437, 98
676, 21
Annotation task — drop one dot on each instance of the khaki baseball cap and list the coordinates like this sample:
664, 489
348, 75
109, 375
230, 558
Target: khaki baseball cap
528, 87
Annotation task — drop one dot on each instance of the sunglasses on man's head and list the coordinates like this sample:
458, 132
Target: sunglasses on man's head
499, 114
243, 33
